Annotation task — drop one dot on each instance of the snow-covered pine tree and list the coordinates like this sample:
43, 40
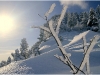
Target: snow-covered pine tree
84, 21
72, 20
77, 26
24, 48
91, 13
3, 63
95, 24
93, 21
12, 54
0, 65
98, 11
41, 36
98, 15
35, 48
30, 52
46, 35
77, 15
69, 21
80, 16
17, 56
8, 60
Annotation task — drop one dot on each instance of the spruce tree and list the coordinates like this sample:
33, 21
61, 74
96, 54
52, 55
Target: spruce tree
8, 60
3, 63
24, 48
84, 21
35, 48
98, 11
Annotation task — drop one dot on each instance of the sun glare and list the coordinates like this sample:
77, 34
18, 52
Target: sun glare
6, 23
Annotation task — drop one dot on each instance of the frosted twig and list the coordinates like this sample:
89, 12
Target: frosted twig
50, 10
61, 18
41, 27
85, 49
92, 44
64, 53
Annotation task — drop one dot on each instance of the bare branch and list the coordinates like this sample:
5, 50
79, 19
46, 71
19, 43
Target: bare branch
41, 17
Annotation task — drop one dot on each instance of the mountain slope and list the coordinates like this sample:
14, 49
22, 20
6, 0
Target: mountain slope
46, 63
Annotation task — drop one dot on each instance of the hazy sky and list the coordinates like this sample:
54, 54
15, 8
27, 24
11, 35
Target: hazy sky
25, 14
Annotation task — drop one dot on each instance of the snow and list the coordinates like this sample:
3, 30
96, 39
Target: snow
44, 47
47, 63
78, 37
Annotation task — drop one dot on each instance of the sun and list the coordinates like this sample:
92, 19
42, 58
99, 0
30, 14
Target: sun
6, 23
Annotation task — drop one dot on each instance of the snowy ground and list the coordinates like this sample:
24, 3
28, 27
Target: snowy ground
46, 63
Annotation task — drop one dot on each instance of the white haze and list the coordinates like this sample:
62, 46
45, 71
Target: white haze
82, 4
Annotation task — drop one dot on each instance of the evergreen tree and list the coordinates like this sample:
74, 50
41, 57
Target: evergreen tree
30, 52
72, 21
63, 26
93, 21
77, 15
80, 16
78, 26
8, 60
84, 21
98, 11
69, 21
91, 13
24, 48
46, 35
0, 65
35, 48
41, 36
17, 56
3, 63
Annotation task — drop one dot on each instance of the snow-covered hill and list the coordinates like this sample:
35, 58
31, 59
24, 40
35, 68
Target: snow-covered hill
46, 63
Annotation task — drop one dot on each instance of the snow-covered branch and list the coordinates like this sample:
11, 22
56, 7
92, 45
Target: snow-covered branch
50, 10
85, 49
92, 44
64, 53
61, 18
41, 27
66, 58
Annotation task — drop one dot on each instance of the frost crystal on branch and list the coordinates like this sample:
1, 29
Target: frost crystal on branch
64, 53
92, 44
50, 10
60, 19
41, 27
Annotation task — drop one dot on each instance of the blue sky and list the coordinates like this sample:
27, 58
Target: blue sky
25, 14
